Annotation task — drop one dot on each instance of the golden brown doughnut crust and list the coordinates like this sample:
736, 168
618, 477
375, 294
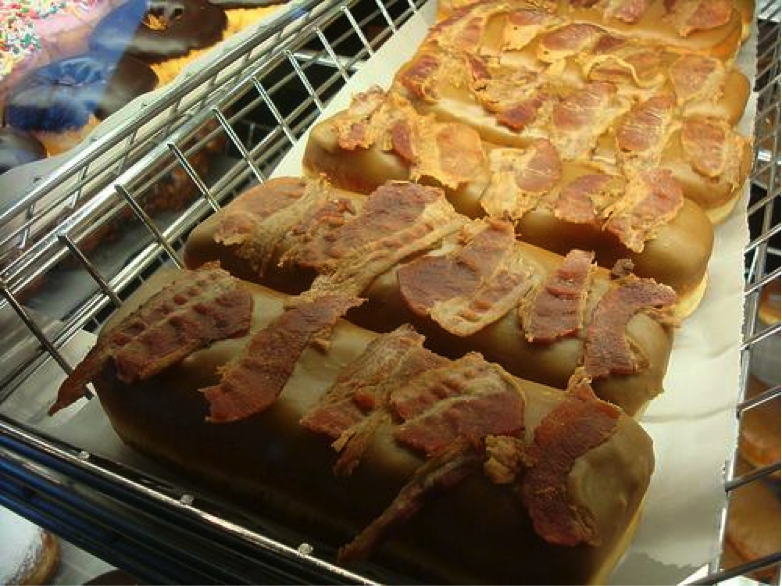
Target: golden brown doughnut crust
271, 463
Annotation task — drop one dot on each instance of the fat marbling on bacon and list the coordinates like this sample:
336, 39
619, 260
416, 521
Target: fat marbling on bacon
557, 310
606, 348
520, 178
578, 424
198, 308
473, 286
396, 221
358, 401
652, 199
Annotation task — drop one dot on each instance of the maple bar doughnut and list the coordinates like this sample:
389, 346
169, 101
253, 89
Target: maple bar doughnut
213, 377
710, 27
557, 205
466, 285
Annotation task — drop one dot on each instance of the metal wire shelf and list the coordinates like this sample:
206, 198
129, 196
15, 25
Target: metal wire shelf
255, 112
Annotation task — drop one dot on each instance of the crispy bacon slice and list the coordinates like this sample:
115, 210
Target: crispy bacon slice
558, 308
449, 152
606, 349
240, 221
697, 77
581, 117
706, 143
397, 220
522, 26
583, 200
629, 11
652, 199
689, 16
620, 61
352, 125
358, 401
643, 132
419, 77
198, 308
569, 39
258, 235
520, 178
439, 473
472, 287
252, 382
514, 99
466, 398
577, 425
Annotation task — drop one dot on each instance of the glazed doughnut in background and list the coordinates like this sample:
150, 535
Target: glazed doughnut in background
62, 102
753, 526
168, 34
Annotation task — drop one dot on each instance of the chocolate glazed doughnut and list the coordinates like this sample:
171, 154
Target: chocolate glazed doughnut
159, 30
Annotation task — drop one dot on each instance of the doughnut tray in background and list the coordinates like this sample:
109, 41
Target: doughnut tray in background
73, 474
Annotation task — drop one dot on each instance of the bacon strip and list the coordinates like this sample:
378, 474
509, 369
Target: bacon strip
449, 152
397, 220
515, 98
352, 125
705, 142
558, 308
580, 118
473, 287
467, 398
652, 199
697, 77
198, 308
520, 177
258, 235
439, 473
689, 16
622, 62
522, 26
606, 348
568, 40
357, 403
252, 382
583, 200
643, 132
419, 77
577, 425
629, 11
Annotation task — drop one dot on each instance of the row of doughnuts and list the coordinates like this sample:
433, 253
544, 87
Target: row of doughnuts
586, 135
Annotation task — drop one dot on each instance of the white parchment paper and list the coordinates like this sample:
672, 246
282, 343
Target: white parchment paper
692, 423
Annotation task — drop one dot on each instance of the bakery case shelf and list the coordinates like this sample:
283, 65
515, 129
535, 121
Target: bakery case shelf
86, 237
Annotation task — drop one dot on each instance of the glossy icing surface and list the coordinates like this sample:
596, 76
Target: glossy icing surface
18, 148
157, 30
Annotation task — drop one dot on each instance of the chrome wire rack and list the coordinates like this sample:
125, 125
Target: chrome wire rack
245, 113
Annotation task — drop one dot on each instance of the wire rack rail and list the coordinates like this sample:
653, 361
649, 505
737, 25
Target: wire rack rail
246, 111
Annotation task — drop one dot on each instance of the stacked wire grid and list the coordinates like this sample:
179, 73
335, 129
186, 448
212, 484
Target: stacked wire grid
246, 122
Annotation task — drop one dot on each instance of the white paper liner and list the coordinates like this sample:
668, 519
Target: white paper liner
693, 423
